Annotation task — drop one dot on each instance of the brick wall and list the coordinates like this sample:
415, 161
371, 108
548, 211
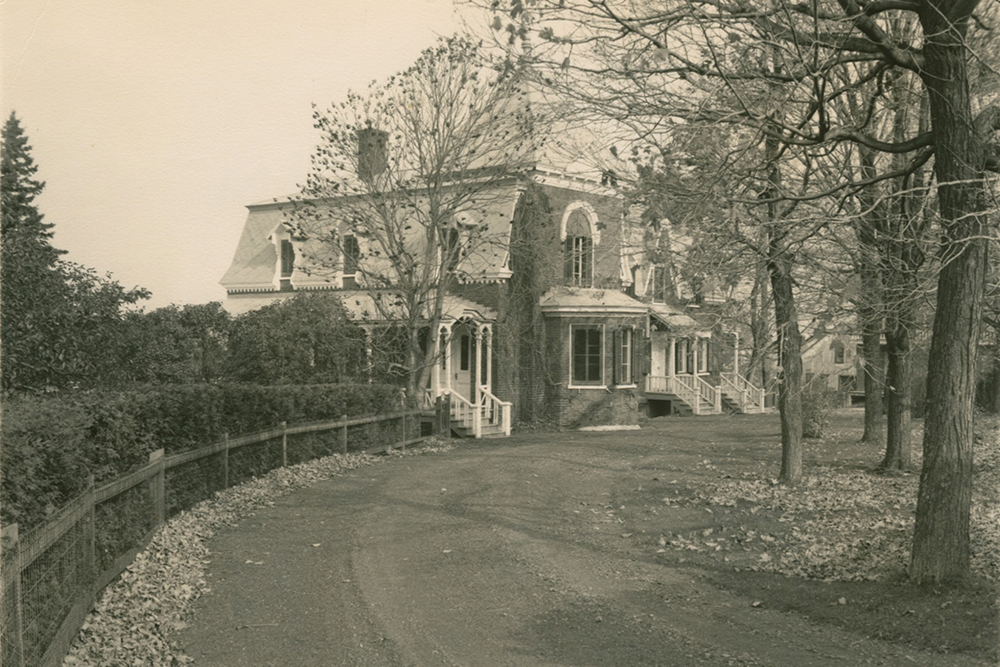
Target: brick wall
531, 357
575, 407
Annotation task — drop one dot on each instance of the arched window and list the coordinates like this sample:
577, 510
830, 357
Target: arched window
578, 250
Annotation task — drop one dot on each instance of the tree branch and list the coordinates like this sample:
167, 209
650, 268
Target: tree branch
901, 56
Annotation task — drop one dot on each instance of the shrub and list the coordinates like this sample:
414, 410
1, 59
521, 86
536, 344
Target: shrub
51, 443
44, 458
817, 402
307, 338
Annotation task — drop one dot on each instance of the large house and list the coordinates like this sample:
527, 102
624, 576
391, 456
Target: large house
558, 317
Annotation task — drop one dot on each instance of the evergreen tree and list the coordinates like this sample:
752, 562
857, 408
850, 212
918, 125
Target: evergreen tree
29, 266
61, 324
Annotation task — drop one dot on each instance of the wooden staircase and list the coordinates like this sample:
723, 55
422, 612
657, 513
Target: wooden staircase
491, 418
689, 394
740, 395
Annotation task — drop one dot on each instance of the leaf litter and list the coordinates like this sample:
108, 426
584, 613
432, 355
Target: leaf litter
839, 524
134, 618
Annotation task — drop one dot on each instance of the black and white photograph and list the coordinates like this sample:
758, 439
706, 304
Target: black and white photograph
555, 333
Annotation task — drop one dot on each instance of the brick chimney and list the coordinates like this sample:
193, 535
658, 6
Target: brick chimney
371, 152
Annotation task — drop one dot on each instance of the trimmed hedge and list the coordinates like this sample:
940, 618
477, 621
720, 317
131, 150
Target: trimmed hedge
51, 443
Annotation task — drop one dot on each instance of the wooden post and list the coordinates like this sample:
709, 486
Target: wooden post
157, 490
343, 440
444, 416
225, 464
10, 541
90, 528
404, 432
284, 444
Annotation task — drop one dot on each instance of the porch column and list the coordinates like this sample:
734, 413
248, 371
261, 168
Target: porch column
489, 359
694, 356
671, 355
736, 354
438, 364
479, 366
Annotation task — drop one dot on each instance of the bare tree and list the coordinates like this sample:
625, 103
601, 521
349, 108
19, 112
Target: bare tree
778, 61
404, 194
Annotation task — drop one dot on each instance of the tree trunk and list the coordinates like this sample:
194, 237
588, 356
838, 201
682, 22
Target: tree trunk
995, 382
897, 446
874, 385
941, 534
871, 300
790, 358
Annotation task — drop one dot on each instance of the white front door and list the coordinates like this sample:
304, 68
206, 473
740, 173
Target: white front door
659, 351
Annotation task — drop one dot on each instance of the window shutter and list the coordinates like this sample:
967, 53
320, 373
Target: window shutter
632, 363
568, 260
616, 345
587, 277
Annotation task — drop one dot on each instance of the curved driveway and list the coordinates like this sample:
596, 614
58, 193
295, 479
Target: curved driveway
500, 552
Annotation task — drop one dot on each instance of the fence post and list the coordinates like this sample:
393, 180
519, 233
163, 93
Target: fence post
157, 491
343, 439
284, 444
90, 528
225, 464
404, 433
9, 540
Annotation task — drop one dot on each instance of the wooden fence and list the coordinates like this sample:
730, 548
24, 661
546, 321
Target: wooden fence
52, 575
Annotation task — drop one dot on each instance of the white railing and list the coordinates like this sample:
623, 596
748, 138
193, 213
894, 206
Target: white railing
494, 411
749, 396
428, 399
689, 388
467, 414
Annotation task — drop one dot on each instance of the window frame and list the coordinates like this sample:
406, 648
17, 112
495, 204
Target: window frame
451, 249
574, 382
839, 354
351, 241
660, 280
287, 258
624, 357
579, 260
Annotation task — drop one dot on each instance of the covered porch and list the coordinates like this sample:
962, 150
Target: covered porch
462, 375
681, 374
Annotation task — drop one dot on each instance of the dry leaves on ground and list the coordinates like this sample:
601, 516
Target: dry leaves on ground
134, 617
840, 523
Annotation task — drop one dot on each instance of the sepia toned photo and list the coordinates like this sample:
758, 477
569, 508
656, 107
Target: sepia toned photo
499, 332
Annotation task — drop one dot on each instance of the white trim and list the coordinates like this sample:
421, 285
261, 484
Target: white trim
630, 310
546, 176
589, 213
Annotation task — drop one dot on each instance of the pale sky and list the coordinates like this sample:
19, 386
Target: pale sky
155, 123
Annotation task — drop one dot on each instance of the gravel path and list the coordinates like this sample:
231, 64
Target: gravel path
500, 552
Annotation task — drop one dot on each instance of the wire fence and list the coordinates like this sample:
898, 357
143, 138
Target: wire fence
51, 575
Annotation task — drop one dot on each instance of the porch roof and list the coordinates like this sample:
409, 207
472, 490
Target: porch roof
674, 318
583, 300
372, 306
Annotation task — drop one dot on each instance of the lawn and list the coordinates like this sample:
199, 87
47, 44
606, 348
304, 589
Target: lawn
834, 548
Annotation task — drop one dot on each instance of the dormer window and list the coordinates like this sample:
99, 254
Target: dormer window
661, 284
287, 258
451, 248
352, 255
352, 258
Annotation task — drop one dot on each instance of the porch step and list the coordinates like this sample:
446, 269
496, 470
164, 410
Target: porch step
486, 430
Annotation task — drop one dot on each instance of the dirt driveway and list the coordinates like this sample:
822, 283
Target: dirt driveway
522, 551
